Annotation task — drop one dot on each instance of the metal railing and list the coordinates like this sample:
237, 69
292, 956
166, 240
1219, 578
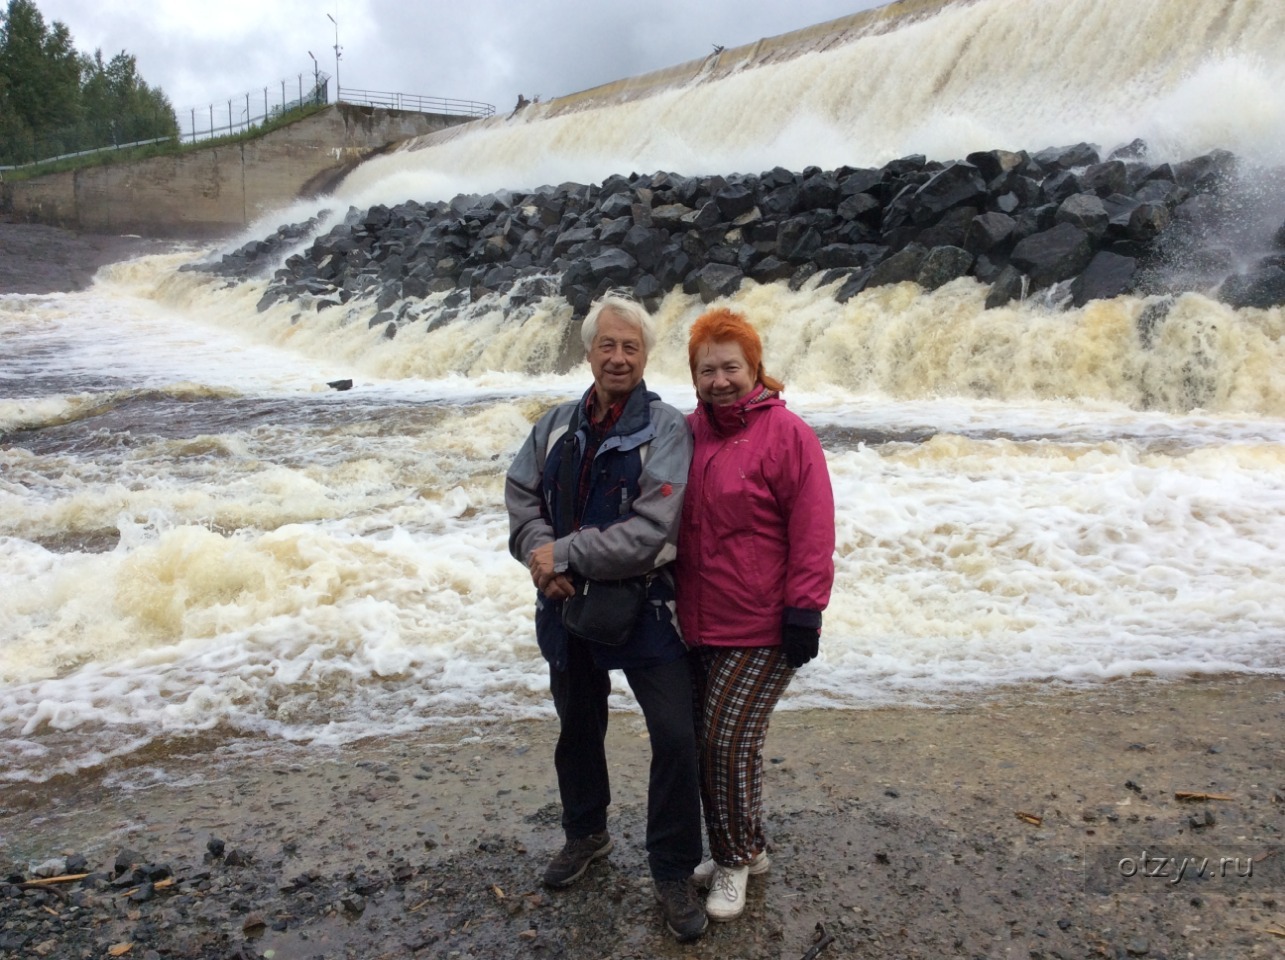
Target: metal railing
85, 153
247, 111
415, 103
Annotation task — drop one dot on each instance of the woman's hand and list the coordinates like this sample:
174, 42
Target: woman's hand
800, 644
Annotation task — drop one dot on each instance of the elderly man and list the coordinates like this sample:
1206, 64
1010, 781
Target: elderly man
594, 499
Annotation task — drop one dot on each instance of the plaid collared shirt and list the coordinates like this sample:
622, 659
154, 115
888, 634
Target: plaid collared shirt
597, 432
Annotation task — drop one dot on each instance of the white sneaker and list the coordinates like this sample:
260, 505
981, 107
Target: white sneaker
703, 875
726, 900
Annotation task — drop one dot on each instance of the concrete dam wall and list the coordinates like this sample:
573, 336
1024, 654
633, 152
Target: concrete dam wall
219, 190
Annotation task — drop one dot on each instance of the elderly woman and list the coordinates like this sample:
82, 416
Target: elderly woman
754, 571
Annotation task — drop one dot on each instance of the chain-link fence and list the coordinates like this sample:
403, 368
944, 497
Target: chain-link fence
245, 111
226, 118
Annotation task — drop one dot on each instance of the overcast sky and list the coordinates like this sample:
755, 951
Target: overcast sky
487, 50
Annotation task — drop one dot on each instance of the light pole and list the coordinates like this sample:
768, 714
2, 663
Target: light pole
316, 77
338, 49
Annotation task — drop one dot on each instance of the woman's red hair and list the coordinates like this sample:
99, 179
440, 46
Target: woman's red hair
722, 325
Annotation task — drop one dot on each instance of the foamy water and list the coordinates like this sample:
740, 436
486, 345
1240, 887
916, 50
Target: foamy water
199, 535
200, 539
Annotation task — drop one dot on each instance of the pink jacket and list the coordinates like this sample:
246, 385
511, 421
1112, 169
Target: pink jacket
756, 544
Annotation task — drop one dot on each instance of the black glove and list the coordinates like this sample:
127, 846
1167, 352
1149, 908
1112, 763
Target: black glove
800, 644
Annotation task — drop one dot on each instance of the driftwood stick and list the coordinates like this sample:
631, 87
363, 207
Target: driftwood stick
1194, 796
823, 940
65, 878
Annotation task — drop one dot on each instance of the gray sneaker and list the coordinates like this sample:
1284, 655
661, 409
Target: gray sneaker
682, 908
574, 858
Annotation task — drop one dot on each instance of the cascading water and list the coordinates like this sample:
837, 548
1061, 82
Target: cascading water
201, 540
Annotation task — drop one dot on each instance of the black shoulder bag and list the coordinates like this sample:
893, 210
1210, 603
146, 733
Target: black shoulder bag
604, 611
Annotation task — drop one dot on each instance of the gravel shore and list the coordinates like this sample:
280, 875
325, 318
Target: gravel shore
1025, 823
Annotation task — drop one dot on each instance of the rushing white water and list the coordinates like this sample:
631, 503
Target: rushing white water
199, 539
942, 79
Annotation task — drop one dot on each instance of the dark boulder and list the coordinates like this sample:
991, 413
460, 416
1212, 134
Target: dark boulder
781, 202
1086, 211
1060, 186
1262, 288
837, 255
1010, 285
734, 200
859, 181
1148, 221
617, 205
797, 239
1053, 255
716, 280
956, 185
901, 266
860, 207
771, 269
942, 265
994, 163
1136, 149
1207, 174
669, 216
1106, 178
1065, 158
613, 265
950, 230
1107, 275
818, 192
989, 231
856, 282
648, 291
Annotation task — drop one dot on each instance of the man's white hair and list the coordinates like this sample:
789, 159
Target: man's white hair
630, 310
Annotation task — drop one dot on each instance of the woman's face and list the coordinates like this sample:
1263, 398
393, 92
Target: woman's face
722, 375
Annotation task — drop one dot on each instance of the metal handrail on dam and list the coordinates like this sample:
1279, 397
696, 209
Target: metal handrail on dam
415, 103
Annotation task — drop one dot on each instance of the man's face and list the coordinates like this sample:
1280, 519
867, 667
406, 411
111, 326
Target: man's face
617, 357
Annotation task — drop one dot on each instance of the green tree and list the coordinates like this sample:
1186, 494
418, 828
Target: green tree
40, 71
54, 100
119, 106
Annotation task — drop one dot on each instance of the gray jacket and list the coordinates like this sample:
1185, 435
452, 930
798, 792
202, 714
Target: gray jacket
629, 524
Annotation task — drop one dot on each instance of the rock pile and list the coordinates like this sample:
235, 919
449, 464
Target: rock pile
1063, 221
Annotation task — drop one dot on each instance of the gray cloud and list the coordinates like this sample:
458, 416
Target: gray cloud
485, 50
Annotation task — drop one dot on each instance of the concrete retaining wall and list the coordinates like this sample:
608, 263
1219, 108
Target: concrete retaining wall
219, 190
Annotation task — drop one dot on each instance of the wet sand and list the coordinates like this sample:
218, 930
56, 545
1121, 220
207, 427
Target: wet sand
1025, 823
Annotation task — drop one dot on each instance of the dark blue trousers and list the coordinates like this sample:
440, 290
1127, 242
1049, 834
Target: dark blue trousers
673, 791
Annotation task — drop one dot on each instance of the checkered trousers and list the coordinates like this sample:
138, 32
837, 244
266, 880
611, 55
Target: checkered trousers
736, 689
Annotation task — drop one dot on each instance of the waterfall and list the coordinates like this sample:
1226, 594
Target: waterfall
938, 78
